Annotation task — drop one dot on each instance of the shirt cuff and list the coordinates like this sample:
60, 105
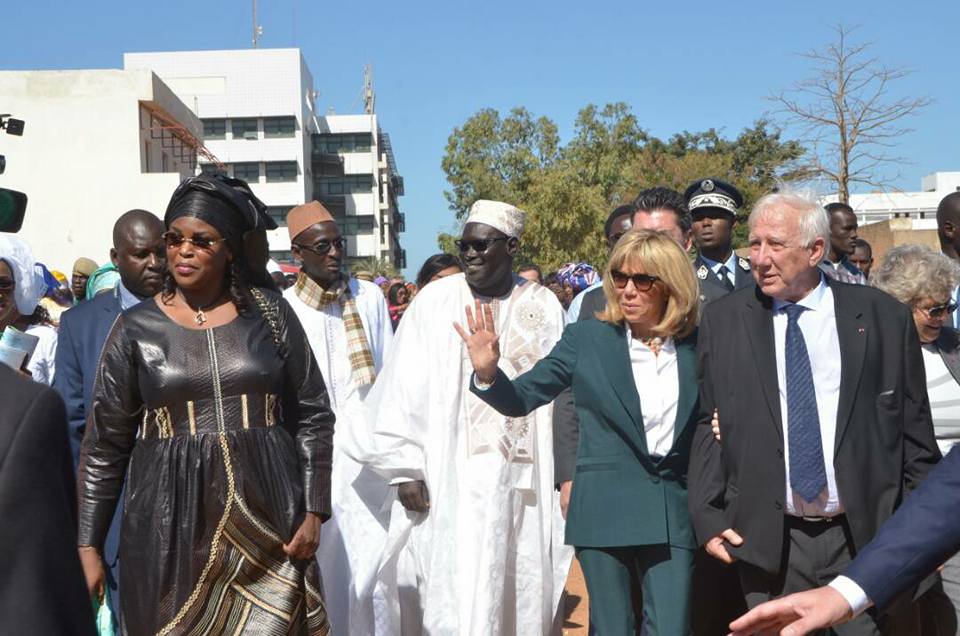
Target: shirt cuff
852, 593
400, 480
478, 385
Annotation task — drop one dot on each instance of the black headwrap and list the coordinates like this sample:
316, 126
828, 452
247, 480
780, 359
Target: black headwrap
226, 204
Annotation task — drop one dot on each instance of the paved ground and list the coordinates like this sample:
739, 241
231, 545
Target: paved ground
577, 604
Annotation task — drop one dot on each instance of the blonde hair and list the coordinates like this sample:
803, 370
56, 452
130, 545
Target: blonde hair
656, 254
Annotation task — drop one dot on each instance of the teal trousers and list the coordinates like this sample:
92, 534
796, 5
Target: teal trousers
663, 573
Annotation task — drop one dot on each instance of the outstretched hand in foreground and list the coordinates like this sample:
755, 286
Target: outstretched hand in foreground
795, 615
483, 343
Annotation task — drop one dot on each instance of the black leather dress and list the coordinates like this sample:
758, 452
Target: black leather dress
224, 444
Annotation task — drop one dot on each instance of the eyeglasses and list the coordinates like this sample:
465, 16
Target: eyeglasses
322, 248
172, 240
641, 282
939, 311
7, 283
479, 245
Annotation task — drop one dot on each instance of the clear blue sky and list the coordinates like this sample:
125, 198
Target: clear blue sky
680, 65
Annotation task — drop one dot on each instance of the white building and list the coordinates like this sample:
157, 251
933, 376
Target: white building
256, 106
919, 206
356, 178
96, 143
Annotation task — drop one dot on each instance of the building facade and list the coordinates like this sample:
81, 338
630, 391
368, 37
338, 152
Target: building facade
96, 143
919, 206
257, 111
355, 176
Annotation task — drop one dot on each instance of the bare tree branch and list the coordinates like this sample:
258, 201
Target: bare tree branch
845, 114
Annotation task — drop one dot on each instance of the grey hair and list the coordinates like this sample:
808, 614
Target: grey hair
813, 221
912, 273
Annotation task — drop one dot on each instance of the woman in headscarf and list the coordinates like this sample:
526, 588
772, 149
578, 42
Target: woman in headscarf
210, 393
104, 279
21, 288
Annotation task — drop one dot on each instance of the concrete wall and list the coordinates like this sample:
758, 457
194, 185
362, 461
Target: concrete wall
886, 235
82, 156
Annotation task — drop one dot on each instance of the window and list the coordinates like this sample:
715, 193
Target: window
282, 256
279, 213
348, 184
279, 126
278, 171
244, 128
248, 171
353, 225
214, 128
342, 142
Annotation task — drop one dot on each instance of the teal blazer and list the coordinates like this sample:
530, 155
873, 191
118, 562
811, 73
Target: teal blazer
621, 496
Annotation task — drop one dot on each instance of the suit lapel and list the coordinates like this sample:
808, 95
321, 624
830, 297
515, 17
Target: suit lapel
707, 275
687, 375
616, 365
949, 348
853, 336
758, 322
744, 278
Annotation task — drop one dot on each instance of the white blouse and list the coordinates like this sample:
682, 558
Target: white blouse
658, 385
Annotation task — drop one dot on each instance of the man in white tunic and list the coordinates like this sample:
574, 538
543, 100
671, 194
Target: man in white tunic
475, 541
348, 326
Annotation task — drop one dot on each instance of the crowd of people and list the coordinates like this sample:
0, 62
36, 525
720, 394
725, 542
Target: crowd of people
707, 430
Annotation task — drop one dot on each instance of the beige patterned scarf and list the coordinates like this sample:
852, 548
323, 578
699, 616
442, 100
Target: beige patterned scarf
358, 350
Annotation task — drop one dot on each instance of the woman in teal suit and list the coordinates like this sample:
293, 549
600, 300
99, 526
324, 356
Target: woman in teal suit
633, 375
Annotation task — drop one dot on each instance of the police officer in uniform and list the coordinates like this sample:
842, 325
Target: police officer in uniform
714, 206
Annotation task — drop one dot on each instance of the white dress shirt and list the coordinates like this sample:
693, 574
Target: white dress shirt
658, 385
818, 323
731, 264
942, 395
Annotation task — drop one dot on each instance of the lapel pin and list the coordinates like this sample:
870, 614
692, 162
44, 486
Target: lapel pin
702, 272
860, 330
744, 264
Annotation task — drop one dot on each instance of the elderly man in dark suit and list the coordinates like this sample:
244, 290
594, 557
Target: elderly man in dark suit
140, 258
42, 591
827, 428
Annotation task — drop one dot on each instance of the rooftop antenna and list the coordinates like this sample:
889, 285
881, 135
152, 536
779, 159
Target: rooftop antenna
257, 29
369, 99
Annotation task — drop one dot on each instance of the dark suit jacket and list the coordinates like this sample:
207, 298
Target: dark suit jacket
884, 439
83, 330
42, 590
710, 286
621, 496
948, 342
916, 540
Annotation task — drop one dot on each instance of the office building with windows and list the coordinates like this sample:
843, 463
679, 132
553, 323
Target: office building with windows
257, 111
355, 176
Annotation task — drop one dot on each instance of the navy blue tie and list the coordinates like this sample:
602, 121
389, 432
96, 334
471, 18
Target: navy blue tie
808, 475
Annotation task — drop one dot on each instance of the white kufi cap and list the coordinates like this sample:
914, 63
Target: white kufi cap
502, 216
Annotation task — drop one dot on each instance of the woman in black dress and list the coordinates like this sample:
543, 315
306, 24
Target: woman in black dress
209, 401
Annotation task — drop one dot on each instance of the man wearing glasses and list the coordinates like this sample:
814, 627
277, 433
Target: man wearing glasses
347, 324
475, 531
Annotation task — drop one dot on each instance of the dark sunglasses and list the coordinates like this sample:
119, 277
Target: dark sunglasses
641, 282
173, 240
940, 311
479, 246
6, 283
322, 248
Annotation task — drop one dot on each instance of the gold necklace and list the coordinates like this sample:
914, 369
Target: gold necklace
201, 317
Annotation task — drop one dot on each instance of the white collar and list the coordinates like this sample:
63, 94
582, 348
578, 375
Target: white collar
731, 263
815, 300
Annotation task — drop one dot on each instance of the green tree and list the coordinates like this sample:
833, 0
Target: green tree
490, 157
568, 190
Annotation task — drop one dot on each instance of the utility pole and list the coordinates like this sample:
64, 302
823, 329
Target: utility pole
257, 29
369, 99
